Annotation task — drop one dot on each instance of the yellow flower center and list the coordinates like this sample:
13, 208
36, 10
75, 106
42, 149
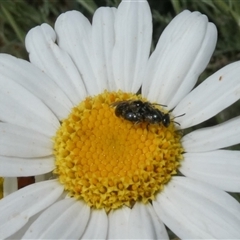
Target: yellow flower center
108, 161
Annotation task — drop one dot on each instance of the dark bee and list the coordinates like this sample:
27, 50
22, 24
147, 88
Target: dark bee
137, 111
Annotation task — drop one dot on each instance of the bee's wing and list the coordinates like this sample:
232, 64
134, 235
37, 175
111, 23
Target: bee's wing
115, 103
121, 103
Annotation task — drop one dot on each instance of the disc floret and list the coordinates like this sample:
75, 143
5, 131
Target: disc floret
110, 162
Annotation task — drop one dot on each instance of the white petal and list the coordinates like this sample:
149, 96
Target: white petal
19, 234
74, 36
145, 224
199, 64
133, 35
17, 207
196, 210
97, 225
182, 53
211, 138
19, 106
36, 82
56, 63
18, 141
10, 185
219, 168
103, 41
212, 96
66, 219
118, 223
20, 167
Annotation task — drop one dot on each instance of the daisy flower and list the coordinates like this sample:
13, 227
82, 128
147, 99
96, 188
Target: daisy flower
114, 154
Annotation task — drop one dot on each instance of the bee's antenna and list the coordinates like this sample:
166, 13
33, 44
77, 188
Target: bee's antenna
177, 123
177, 117
159, 104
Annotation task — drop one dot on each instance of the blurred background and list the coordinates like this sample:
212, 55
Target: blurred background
17, 17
